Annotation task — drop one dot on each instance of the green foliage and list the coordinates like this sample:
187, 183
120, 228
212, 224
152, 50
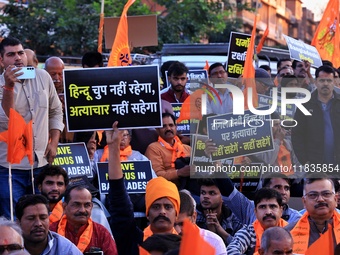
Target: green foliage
70, 27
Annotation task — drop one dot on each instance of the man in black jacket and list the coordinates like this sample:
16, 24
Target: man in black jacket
316, 138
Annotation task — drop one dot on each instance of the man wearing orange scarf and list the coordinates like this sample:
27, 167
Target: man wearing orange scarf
77, 226
162, 204
166, 150
318, 230
52, 182
268, 211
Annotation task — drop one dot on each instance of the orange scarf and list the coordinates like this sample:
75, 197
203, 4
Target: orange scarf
124, 154
85, 237
283, 159
147, 233
177, 149
259, 231
301, 231
57, 212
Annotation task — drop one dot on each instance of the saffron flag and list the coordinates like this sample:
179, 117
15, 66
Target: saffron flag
19, 138
249, 71
120, 51
206, 67
261, 43
191, 107
192, 242
100, 33
327, 36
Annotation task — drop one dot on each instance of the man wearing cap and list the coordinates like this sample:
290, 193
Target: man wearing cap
263, 81
161, 200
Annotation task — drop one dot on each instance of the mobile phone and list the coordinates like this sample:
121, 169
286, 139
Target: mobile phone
28, 73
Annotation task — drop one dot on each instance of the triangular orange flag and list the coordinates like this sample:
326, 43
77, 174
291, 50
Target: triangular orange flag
327, 36
261, 43
249, 71
206, 67
120, 51
19, 138
192, 242
191, 107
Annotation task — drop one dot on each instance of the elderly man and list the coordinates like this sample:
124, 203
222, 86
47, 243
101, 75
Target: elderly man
10, 238
32, 59
276, 240
55, 66
320, 225
268, 211
161, 200
32, 214
77, 226
34, 99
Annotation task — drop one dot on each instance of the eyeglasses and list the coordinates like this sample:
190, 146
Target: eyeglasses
314, 195
214, 74
10, 247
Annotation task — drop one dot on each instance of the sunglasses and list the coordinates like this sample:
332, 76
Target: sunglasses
10, 248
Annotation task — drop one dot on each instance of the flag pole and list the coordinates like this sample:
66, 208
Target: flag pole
32, 177
100, 29
10, 190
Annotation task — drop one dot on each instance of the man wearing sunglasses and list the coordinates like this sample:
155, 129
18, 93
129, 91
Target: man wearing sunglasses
319, 227
10, 238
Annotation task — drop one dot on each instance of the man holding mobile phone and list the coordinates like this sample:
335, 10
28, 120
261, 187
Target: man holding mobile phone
34, 99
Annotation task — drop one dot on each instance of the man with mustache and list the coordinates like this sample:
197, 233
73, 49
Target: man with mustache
268, 211
318, 230
162, 203
34, 99
177, 77
302, 71
77, 226
164, 153
316, 138
52, 182
55, 66
32, 215
213, 214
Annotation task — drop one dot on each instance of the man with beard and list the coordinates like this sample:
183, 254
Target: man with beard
77, 225
52, 182
32, 214
213, 215
268, 211
162, 203
318, 230
316, 138
177, 76
302, 71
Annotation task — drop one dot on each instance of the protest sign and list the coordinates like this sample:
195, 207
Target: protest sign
238, 45
268, 101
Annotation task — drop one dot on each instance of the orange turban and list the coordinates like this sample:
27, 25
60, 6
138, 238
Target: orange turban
160, 187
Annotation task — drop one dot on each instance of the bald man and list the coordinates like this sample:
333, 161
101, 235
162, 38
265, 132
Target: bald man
55, 66
32, 59
10, 237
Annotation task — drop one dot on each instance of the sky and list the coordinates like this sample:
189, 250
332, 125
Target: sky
316, 6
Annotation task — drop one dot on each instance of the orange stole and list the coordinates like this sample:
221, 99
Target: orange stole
259, 231
177, 149
147, 233
300, 235
57, 212
85, 237
123, 154
284, 159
